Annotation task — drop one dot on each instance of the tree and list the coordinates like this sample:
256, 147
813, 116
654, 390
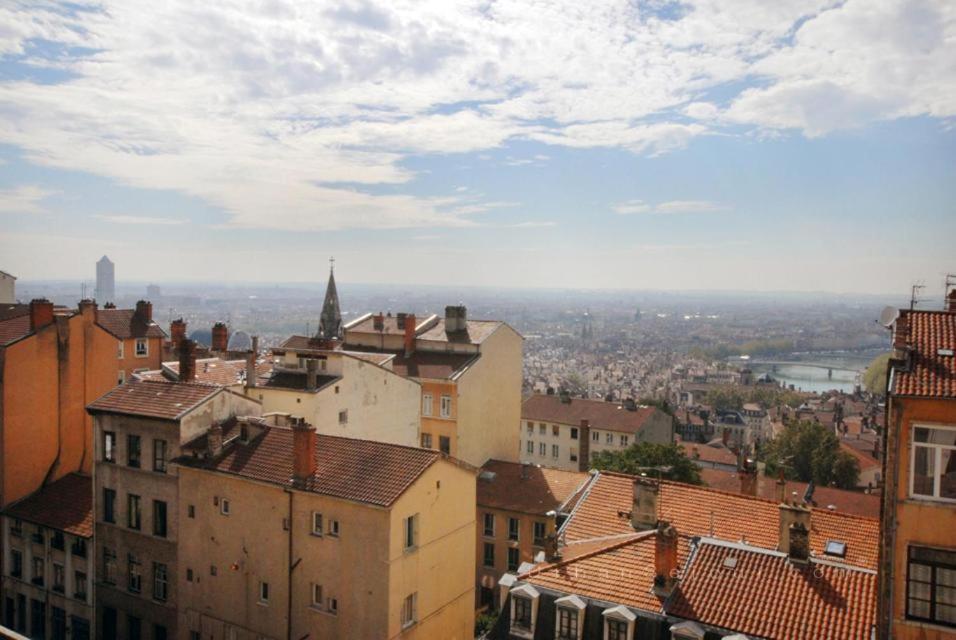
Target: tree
874, 378
810, 451
649, 454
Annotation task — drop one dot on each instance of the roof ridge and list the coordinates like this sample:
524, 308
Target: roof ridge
637, 536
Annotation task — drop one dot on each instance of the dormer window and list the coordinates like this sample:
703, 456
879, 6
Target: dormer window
619, 623
569, 618
687, 631
524, 610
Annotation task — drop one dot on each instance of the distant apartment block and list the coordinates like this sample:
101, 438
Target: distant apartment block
562, 432
8, 288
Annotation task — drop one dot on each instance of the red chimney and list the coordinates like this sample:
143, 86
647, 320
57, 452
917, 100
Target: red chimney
41, 313
901, 333
144, 309
303, 451
409, 334
378, 322
87, 306
177, 332
951, 301
220, 337
187, 361
665, 559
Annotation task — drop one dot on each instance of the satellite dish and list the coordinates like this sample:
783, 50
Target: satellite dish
888, 316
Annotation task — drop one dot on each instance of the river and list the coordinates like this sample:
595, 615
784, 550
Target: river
847, 369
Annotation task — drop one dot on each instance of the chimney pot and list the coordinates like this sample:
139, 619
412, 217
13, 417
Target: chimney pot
794, 531
303, 452
665, 560
86, 305
408, 324
177, 332
456, 318
41, 313
378, 322
644, 504
220, 337
187, 361
144, 310
251, 363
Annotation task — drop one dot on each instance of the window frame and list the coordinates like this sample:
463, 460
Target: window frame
160, 582
141, 352
109, 505
159, 461
514, 529
134, 454
937, 450
486, 519
160, 516
263, 592
934, 565
538, 541
445, 408
134, 500
485, 556
410, 531
317, 524
409, 614
134, 574
427, 407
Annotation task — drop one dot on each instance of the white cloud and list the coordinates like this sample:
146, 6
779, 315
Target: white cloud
24, 199
121, 219
280, 113
631, 207
532, 224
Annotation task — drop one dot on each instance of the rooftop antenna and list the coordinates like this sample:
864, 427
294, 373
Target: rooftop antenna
914, 296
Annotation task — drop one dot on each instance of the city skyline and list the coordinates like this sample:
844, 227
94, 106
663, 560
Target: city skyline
654, 145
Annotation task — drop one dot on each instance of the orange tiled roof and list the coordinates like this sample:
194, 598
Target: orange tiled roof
212, 371
541, 491
701, 511
929, 375
700, 452
154, 399
476, 331
600, 414
360, 470
125, 323
767, 596
66, 505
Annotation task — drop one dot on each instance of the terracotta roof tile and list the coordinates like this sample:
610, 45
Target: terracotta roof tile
601, 415
712, 454
13, 329
66, 505
543, 489
210, 371
476, 331
930, 374
767, 596
701, 511
153, 399
124, 323
360, 470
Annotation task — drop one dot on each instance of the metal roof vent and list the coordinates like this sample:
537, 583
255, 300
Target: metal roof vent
944, 352
730, 562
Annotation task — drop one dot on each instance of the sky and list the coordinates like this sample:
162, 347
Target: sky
793, 145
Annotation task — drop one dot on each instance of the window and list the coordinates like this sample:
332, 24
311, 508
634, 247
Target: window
572, 454
530, 428
133, 516
530, 447
120, 350
58, 623
109, 446
410, 610
445, 406
109, 565
555, 451
16, 528
189, 575
79, 585
489, 556
567, 624
444, 444
513, 524
609, 438
427, 404
316, 523
160, 582
934, 463
595, 436
514, 559
191, 511
57, 540
931, 585
332, 605
134, 628
616, 629
555, 430
344, 416
224, 506
37, 536
59, 577
574, 433
411, 532
489, 522
264, 592
159, 632
334, 528
159, 518
78, 548
38, 571
317, 596
542, 428
142, 347
623, 441
37, 618
539, 534
542, 449
213, 571
134, 574
81, 628
522, 613
16, 563
120, 377
132, 451
159, 456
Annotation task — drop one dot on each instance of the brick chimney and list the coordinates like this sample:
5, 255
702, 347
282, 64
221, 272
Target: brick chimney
303, 451
311, 374
251, 375
41, 313
584, 435
378, 322
665, 560
214, 440
644, 504
409, 327
456, 318
177, 332
220, 337
144, 310
187, 361
87, 306
747, 473
795, 531
951, 302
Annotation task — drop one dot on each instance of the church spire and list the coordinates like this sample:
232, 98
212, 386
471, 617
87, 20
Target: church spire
330, 322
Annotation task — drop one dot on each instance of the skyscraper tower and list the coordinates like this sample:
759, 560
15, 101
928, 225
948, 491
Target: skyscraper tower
105, 281
330, 322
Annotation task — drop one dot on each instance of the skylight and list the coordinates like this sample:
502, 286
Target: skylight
835, 548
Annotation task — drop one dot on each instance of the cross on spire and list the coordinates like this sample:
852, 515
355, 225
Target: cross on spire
332, 263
